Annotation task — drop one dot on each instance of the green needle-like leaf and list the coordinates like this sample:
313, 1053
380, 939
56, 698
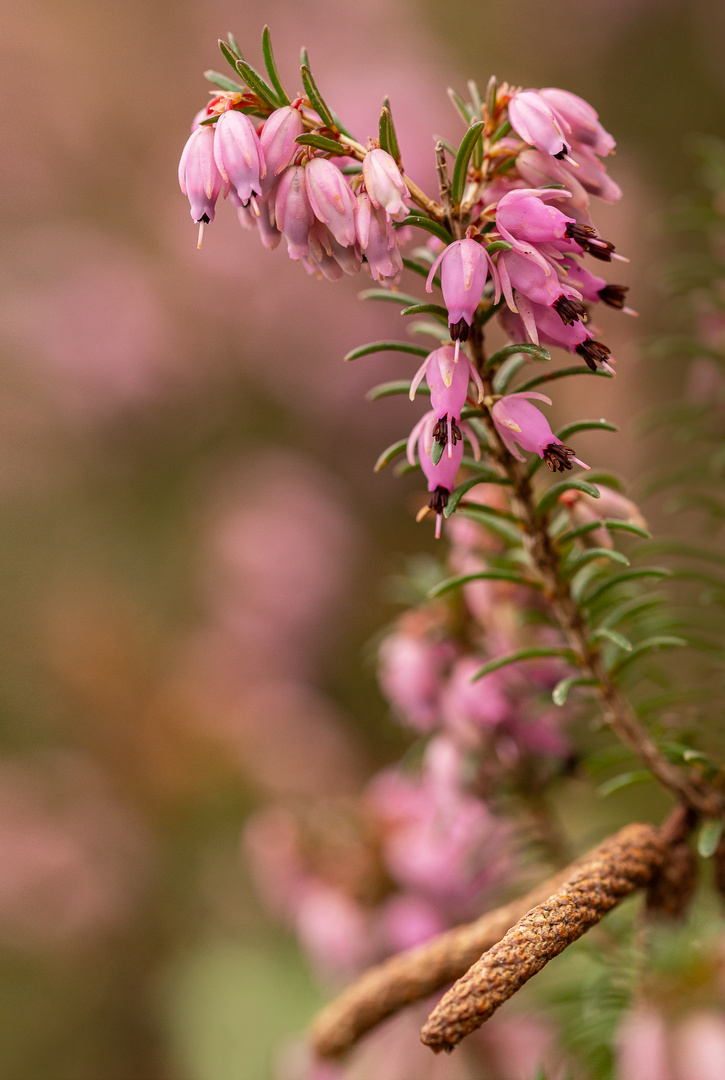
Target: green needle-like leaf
624, 780
624, 579
385, 346
583, 557
561, 691
536, 351
271, 67
315, 97
709, 837
257, 84
388, 296
321, 142
551, 497
483, 477
421, 222
611, 635
605, 523
463, 157
389, 454
522, 654
585, 425
389, 389
653, 644
388, 137
450, 584
427, 309
562, 373
223, 82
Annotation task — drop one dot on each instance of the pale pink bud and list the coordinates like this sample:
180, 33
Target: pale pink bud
642, 1050
292, 211
333, 930
199, 177
384, 184
581, 119
331, 199
238, 154
377, 240
538, 169
277, 140
536, 122
408, 920
521, 424
464, 269
469, 706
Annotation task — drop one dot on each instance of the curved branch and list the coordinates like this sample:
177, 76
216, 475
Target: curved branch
416, 973
623, 863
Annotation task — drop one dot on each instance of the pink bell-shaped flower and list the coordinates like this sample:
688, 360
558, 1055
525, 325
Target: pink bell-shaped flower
331, 199
591, 174
521, 424
238, 154
538, 124
464, 267
448, 377
377, 239
522, 273
441, 475
277, 140
332, 258
199, 176
384, 184
594, 288
581, 119
292, 211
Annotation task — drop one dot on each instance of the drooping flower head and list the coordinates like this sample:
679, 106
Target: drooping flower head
238, 154
199, 176
384, 184
521, 424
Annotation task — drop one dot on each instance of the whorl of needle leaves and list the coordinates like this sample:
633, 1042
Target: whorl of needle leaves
620, 865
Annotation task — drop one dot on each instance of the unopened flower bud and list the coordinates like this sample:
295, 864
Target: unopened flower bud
199, 177
292, 211
238, 154
277, 140
536, 122
384, 184
331, 199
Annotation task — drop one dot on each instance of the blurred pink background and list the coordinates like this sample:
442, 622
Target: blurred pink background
192, 538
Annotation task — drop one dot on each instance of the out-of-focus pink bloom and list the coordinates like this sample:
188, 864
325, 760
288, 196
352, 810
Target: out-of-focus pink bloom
536, 122
333, 930
271, 845
277, 140
449, 850
611, 505
705, 381
470, 706
292, 211
464, 267
699, 1047
407, 920
331, 199
377, 239
588, 171
538, 169
447, 375
518, 422
411, 675
199, 176
642, 1050
581, 119
238, 154
594, 288
330, 256
384, 184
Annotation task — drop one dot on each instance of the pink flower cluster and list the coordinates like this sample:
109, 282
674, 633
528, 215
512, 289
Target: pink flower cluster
284, 189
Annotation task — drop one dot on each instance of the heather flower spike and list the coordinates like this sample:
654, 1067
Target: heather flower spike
521, 424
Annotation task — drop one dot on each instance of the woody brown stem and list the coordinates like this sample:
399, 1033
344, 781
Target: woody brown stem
623, 863
617, 711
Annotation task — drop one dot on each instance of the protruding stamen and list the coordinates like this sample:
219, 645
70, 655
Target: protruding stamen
570, 311
202, 223
593, 353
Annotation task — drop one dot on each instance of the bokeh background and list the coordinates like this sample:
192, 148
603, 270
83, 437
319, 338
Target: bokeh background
192, 541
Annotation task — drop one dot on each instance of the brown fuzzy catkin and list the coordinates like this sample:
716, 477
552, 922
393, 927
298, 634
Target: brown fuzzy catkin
623, 863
